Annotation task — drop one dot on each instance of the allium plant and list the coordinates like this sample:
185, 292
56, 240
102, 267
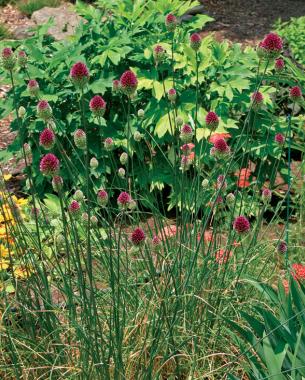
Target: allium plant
92, 273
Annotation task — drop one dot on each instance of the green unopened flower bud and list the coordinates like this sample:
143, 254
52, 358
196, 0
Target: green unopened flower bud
132, 205
121, 173
85, 217
94, 220
141, 113
79, 195
230, 198
93, 163
124, 158
179, 121
21, 112
137, 136
205, 184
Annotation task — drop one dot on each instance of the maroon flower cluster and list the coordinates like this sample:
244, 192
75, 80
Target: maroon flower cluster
241, 225
195, 41
47, 139
97, 106
49, 165
171, 22
212, 120
138, 237
129, 82
271, 46
79, 74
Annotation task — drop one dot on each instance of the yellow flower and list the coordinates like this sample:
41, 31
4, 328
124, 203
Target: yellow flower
7, 177
22, 271
4, 264
4, 251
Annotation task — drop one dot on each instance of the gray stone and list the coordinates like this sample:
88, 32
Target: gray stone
22, 32
64, 18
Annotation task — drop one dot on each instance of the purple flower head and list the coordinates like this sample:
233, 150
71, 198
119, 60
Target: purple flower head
241, 225
138, 237
295, 94
195, 41
74, 208
271, 46
44, 111
159, 54
186, 133
129, 82
79, 74
80, 139
49, 165
257, 100
171, 22
97, 106
279, 138
33, 87
279, 65
266, 195
172, 95
124, 200
282, 247
47, 139
102, 197
8, 59
212, 120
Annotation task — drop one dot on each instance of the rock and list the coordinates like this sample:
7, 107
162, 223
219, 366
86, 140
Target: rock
196, 10
64, 18
21, 32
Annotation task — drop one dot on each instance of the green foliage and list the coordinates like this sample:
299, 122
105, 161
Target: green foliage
226, 77
4, 32
28, 7
294, 33
273, 343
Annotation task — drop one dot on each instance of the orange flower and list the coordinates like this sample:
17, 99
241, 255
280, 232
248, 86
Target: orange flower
191, 156
243, 176
222, 256
216, 136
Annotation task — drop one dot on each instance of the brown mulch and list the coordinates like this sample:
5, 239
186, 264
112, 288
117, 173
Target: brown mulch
12, 18
247, 21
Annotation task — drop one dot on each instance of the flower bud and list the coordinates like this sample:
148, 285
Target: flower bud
93, 163
44, 111
137, 136
124, 158
74, 208
172, 95
205, 184
80, 139
266, 196
94, 220
195, 41
141, 113
21, 112
79, 196
57, 183
102, 197
121, 172
22, 58
179, 121
8, 59
159, 54
108, 144
33, 87
79, 75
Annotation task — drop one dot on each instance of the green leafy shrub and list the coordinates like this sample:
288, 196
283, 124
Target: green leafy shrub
294, 33
28, 7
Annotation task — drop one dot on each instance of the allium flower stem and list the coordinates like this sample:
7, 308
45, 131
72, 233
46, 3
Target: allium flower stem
288, 190
21, 132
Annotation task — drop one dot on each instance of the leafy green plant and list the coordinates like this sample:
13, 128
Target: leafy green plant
28, 7
273, 342
294, 33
